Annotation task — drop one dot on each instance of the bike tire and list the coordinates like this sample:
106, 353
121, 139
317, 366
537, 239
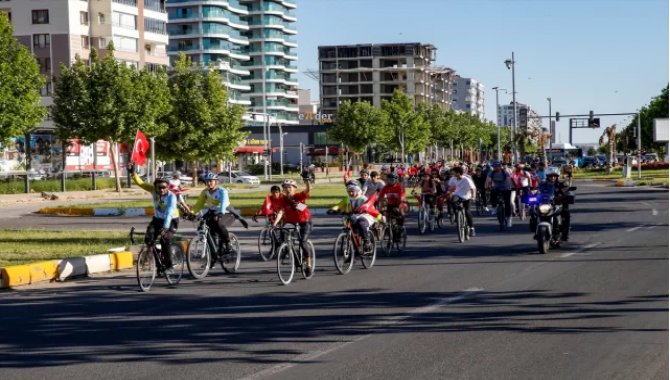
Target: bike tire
402, 242
460, 223
500, 214
285, 264
266, 244
387, 240
343, 253
432, 220
198, 258
312, 256
230, 262
422, 221
146, 269
174, 276
369, 254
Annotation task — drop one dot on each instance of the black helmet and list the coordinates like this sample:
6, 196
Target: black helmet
160, 180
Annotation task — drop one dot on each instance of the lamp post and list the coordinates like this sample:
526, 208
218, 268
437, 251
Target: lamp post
510, 65
496, 89
551, 131
281, 149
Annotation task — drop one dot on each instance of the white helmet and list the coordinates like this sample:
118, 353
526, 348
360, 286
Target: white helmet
353, 187
385, 168
289, 182
551, 171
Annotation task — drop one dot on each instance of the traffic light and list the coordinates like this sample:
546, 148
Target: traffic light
590, 116
594, 123
558, 116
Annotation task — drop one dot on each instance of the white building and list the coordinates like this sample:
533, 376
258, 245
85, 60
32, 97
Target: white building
467, 95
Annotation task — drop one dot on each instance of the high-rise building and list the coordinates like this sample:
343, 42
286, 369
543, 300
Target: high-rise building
467, 95
371, 72
56, 31
506, 116
250, 42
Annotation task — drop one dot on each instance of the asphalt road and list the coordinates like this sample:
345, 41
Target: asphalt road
489, 308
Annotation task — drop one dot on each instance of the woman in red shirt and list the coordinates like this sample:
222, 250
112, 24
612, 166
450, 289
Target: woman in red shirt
295, 211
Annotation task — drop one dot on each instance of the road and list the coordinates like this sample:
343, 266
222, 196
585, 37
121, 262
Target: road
489, 308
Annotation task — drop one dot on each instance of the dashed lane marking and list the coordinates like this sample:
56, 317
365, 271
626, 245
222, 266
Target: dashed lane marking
582, 249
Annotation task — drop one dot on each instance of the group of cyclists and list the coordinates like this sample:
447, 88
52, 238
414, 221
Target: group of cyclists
372, 199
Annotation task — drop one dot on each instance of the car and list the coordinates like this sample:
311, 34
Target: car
183, 177
36, 175
238, 177
591, 162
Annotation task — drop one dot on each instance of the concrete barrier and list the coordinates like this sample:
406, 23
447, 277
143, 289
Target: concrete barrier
15, 275
121, 260
71, 267
43, 271
98, 263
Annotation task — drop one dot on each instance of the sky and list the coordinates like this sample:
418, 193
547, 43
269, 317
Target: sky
609, 56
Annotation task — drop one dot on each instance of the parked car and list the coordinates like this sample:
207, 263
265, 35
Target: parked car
238, 177
591, 162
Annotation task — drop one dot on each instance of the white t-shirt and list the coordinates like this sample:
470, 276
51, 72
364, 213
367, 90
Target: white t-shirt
464, 187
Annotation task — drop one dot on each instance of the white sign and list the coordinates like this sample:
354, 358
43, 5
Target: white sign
660, 130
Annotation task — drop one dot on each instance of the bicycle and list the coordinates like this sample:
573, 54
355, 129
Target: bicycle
393, 234
461, 222
150, 263
520, 204
348, 246
479, 205
269, 239
199, 257
500, 211
426, 214
290, 255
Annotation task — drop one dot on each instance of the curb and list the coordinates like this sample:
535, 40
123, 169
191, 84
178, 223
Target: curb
137, 211
60, 270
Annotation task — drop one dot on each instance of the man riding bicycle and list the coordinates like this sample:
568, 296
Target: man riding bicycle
271, 206
393, 194
499, 182
166, 215
465, 190
294, 211
212, 205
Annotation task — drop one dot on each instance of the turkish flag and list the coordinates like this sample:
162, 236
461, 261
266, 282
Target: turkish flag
140, 149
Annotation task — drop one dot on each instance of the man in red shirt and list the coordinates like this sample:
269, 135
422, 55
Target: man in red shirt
294, 210
271, 206
394, 196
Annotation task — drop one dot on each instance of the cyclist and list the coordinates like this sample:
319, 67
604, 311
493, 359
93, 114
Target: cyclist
212, 205
499, 182
166, 214
294, 211
373, 185
479, 178
521, 181
561, 196
271, 206
178, 190
465, 189
394, 196
361, 211
428, 188
384, 172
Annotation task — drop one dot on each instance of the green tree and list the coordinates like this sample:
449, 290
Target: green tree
359, 125
657, 109
20, 82
408, 130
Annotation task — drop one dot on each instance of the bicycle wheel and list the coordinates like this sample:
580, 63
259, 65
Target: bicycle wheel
460, 225
432, 220
312, 258
343, 253
285, 264
522, 210
198, 258
230, 261
500, 214
266, 244
369, 254
387, 240
422, 221
173, 275
146, 268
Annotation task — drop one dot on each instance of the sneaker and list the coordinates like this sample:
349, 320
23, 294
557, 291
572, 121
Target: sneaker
472, 231
509, 222
228, 248
307, 263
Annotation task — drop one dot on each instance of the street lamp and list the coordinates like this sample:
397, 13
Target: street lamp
496, 89
551, 131
510, 65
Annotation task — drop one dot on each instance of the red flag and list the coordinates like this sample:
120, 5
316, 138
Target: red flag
140, 148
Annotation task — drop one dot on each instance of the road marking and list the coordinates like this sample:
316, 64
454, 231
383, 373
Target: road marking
653, 210
582, 249
634, 228
300, 359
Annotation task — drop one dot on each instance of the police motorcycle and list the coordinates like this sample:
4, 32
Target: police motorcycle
545, 216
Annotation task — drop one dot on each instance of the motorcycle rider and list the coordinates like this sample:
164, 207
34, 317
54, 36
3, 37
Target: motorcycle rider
561, 195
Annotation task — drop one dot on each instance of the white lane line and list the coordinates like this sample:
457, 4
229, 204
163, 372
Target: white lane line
300, 359
580, 250
654, 212
651, 206
634, 228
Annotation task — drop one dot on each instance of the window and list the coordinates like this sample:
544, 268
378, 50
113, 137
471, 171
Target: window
83, 18
85, 42
101, 18
45, 65
125, 43
124, 20
41, 16
41, 40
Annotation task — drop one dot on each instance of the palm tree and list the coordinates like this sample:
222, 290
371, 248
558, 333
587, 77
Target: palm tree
610, 134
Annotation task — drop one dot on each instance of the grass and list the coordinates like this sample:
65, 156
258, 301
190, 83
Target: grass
648, 176
33, 245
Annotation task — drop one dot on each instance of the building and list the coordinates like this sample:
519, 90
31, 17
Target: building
467, 95
506, 113
250, 42
213, 34
56, 31
371, 72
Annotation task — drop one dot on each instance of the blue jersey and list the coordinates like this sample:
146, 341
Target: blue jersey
215, 201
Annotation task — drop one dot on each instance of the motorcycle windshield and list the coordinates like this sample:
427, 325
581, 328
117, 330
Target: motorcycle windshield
546, 193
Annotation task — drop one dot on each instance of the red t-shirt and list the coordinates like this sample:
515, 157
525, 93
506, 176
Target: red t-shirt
271, 206
294, 215
394, 194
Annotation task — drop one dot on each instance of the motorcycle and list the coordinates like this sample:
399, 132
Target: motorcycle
545, 217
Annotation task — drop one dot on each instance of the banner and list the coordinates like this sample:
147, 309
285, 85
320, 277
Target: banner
140, 149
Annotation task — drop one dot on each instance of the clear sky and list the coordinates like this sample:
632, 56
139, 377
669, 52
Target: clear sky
609, 56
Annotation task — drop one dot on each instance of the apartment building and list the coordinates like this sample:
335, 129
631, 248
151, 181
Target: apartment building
506, 116
371, 72
250, 42
467, 95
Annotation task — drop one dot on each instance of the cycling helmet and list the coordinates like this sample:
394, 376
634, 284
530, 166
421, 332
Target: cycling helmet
176, 174
289, 182
551, 171
391, 178
496, 163
353, 187
161, 180
210, 177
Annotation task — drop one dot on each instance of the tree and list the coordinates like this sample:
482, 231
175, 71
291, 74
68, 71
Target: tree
408, 130
359, 125
610, 134
592, 151
20, 82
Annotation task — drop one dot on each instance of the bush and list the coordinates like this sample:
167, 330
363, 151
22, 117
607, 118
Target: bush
17, 186
653, 166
